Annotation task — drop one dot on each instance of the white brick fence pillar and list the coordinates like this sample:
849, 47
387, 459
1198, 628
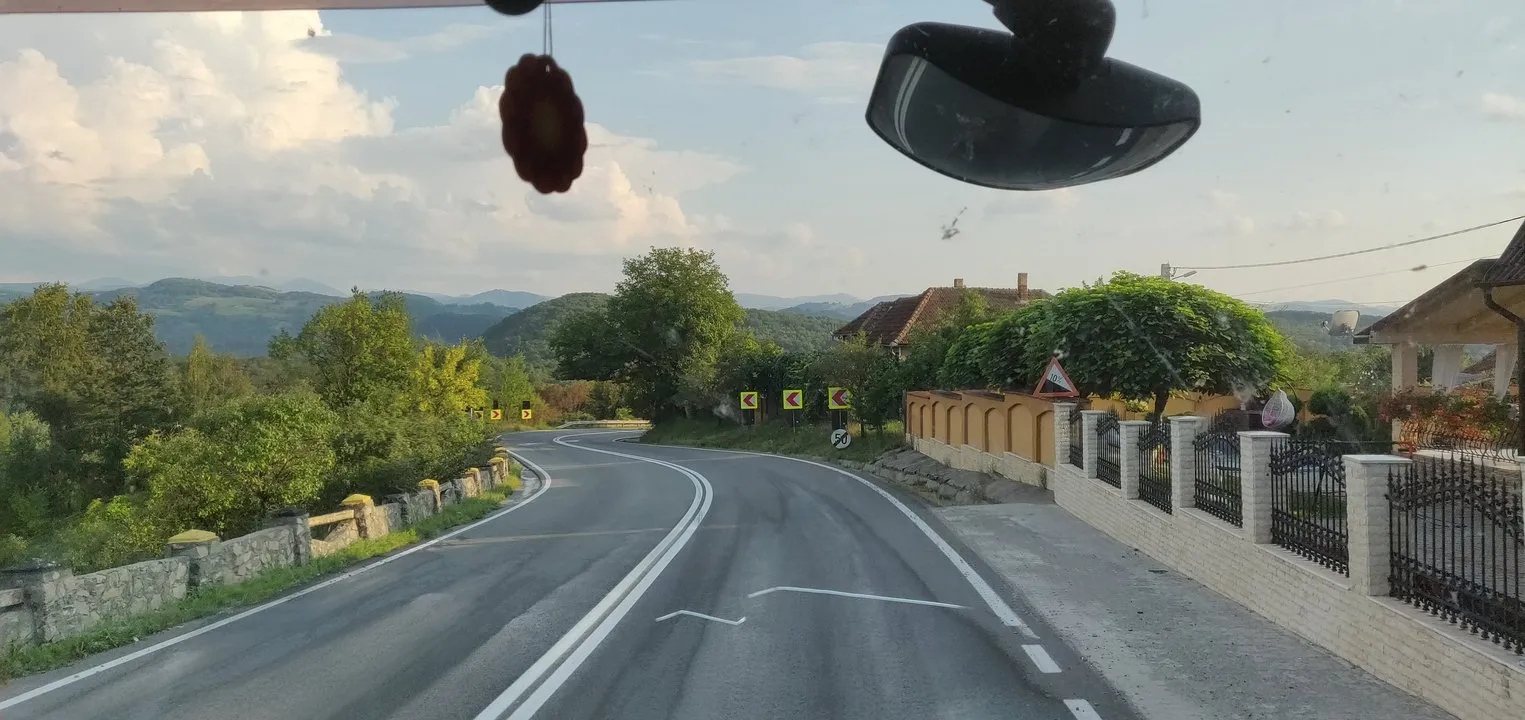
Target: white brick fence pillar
1183, 461
1367, 521
1088, 421
1131, 431
1062, 414
1255, 482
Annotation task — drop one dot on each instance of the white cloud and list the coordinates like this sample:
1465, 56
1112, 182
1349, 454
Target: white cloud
1499, 106
1025, 203
361, 49
831, 70
222, 144
1325, 220
1221, 199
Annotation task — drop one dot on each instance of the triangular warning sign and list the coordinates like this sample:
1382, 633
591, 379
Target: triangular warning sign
1055, 382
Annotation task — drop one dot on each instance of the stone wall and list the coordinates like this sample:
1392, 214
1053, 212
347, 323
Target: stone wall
42, 602
61, 604
16, 621
233, 561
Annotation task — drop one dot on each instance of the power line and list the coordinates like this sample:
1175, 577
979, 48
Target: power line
1415, 269
1405, 243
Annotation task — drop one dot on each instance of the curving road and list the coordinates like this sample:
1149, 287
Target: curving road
640, 582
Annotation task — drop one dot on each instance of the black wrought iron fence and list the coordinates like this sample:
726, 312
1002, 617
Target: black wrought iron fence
1217, 490
1077, 438
1109, 450
1308, 501
1457, 546
1154, 465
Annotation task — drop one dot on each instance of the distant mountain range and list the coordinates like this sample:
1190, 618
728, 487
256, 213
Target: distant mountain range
1327, 306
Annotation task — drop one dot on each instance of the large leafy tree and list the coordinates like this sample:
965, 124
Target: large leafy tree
211, 380
662, 329
95, 374
1144, 338
359, 350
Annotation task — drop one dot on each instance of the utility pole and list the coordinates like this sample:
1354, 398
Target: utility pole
1169, 273
1164, 271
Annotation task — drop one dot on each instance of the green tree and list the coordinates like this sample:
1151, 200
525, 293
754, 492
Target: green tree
605, 400
857, 365
512, 385
359, 349
1143, 338
238, 463
444, 381
660, 333
211, 380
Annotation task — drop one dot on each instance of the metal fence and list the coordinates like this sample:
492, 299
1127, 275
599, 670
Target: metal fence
1217, 490
1109, 450
1308, 501
1154, 465
1077, 438
1457, 536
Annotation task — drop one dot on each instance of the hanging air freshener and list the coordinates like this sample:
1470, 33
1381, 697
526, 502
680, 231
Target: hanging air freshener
543, 129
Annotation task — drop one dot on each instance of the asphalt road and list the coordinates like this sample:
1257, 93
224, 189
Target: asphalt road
799, 592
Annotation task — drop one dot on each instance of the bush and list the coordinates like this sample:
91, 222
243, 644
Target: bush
122, 531
380, 454
238, 463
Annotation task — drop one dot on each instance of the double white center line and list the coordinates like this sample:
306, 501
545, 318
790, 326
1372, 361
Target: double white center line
531, 691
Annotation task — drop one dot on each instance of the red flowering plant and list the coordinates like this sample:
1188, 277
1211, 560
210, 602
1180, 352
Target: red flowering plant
1469, 415
543, 127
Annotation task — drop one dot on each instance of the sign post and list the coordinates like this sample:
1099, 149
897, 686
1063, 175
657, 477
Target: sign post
1055, 383
497, 412
794, 402
749, 406
525, 413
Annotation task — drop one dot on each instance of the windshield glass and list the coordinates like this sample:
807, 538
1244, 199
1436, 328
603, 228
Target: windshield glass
1122, 316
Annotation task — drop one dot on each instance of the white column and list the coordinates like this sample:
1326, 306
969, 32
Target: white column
1405, 376
1183, 460
1062, 413
1131, 431
1367, 520
1447, 366
1255, 482
1088, 421
1503, 368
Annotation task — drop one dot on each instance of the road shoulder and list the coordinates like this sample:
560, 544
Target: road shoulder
1174, 648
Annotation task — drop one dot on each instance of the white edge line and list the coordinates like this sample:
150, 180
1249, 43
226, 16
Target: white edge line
999, 606
1082, 710
545, 484
861, 596
1040, 657
691, 613
594, 626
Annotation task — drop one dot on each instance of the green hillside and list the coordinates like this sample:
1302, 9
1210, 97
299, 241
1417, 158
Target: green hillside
528, 331
1305, 329
241, 319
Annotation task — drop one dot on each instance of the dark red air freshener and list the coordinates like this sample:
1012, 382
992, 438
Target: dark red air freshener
543, 128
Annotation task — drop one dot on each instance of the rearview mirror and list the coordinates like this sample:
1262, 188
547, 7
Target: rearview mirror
987, 108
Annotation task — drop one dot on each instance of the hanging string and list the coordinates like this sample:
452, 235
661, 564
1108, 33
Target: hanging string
545, 37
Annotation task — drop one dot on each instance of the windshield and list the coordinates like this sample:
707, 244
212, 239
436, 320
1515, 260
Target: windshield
703, 359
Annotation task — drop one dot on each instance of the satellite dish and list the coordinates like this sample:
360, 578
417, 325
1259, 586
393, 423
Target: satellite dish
1344, 322
1037, 108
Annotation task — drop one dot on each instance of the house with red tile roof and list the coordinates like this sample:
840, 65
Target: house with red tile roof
890, 324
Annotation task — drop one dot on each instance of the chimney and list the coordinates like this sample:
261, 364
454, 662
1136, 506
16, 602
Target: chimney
958, 282
1021, 287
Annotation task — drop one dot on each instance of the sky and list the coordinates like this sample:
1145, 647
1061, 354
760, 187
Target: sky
367, 152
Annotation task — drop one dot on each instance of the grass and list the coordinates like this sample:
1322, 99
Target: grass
805, 440
111, 634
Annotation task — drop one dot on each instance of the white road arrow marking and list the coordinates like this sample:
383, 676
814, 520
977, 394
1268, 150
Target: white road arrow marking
861, 596
701, 616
